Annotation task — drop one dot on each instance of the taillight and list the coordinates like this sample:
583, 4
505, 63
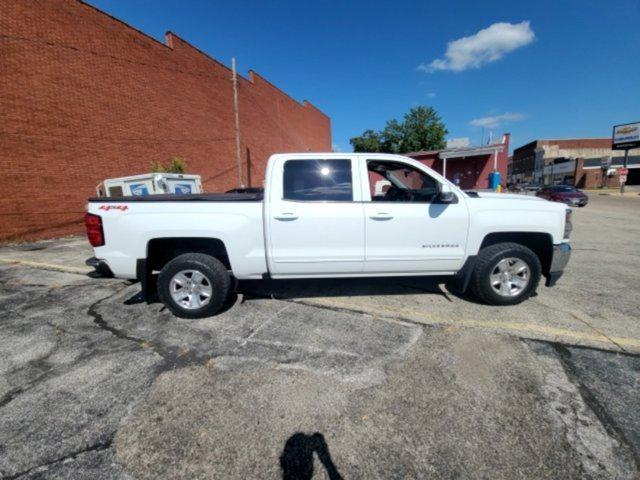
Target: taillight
95, 234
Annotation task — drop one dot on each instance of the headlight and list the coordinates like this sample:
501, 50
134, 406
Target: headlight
568, 226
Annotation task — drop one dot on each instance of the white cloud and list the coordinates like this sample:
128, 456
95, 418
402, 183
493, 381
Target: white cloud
485, 46
431, 95
496, 120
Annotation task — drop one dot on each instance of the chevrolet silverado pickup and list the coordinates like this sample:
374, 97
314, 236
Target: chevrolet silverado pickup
331, 215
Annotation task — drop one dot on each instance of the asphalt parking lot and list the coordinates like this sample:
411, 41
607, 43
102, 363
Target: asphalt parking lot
324, 379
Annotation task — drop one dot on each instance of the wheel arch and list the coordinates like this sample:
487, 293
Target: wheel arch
540, 243
162, 250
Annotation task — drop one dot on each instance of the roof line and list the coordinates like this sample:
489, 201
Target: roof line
102, 12
491, 146
204, 54
580, 138
168, 43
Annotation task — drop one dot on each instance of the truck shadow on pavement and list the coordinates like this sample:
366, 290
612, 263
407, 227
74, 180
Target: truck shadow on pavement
324, 287
296, 460
340, 287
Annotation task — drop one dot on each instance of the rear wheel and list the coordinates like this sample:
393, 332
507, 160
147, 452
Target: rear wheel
505, 274
194, 285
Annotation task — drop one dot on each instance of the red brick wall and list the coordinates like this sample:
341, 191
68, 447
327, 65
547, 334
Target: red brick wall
579, 143
592, 177
85, 97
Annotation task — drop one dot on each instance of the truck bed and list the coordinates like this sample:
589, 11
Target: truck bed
198, 197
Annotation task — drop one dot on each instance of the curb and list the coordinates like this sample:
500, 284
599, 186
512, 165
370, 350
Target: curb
46, 266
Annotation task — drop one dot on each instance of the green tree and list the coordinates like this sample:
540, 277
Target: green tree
421, 129
175, 165
392, 137
369, 141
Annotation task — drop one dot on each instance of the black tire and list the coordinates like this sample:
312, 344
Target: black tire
487, 261
216, 275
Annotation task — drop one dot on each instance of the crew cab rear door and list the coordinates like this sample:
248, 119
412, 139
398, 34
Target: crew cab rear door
314, 219
407, 229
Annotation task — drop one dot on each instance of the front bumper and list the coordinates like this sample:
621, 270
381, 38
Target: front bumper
577, 202
559, 260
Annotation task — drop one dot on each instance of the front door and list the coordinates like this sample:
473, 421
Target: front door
315, 227
407, 229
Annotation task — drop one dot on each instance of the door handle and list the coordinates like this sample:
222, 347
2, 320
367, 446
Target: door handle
381, 216
286, 216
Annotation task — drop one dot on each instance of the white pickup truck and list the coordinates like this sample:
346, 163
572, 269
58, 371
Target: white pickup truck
331, 215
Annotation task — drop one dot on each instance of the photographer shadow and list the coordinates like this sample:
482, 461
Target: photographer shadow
296, 460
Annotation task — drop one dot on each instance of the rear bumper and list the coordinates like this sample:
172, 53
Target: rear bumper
559, 260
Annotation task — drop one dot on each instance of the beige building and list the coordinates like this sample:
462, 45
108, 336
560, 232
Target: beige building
541, 161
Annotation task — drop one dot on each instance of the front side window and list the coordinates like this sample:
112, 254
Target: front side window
318, 180
398, 182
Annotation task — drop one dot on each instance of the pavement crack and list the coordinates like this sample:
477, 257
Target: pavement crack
99, 320
11, 395
607, 421
43, 376
96, 447
173, 357
583, 321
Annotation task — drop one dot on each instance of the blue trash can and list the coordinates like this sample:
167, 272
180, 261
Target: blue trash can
494, 180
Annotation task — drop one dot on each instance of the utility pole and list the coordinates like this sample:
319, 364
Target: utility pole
625, 137
626, 159
237, 120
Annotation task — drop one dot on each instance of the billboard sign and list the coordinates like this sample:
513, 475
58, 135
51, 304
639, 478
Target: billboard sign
627, 136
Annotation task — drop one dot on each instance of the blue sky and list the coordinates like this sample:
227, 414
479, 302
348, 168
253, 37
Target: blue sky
537, 69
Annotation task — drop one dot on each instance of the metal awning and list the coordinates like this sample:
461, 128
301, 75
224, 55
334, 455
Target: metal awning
471, 151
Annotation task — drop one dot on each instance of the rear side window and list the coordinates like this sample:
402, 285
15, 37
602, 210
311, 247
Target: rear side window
318, 180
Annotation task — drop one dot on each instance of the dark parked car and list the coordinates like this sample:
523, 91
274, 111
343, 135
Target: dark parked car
565, 194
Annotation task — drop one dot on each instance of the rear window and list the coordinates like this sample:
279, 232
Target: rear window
318, 180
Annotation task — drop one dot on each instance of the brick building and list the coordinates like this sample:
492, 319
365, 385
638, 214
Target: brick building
592, 173
584, 162
86, 97
469, 167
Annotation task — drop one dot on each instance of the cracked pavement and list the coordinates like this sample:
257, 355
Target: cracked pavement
95, 383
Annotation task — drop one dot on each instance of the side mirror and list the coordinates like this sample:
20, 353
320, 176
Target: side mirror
446, 195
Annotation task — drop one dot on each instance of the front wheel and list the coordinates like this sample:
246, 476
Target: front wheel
194, 285
505, 274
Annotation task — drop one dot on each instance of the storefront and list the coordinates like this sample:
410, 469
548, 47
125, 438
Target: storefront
469, 167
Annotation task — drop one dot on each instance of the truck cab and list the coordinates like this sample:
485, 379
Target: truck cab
326, 217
